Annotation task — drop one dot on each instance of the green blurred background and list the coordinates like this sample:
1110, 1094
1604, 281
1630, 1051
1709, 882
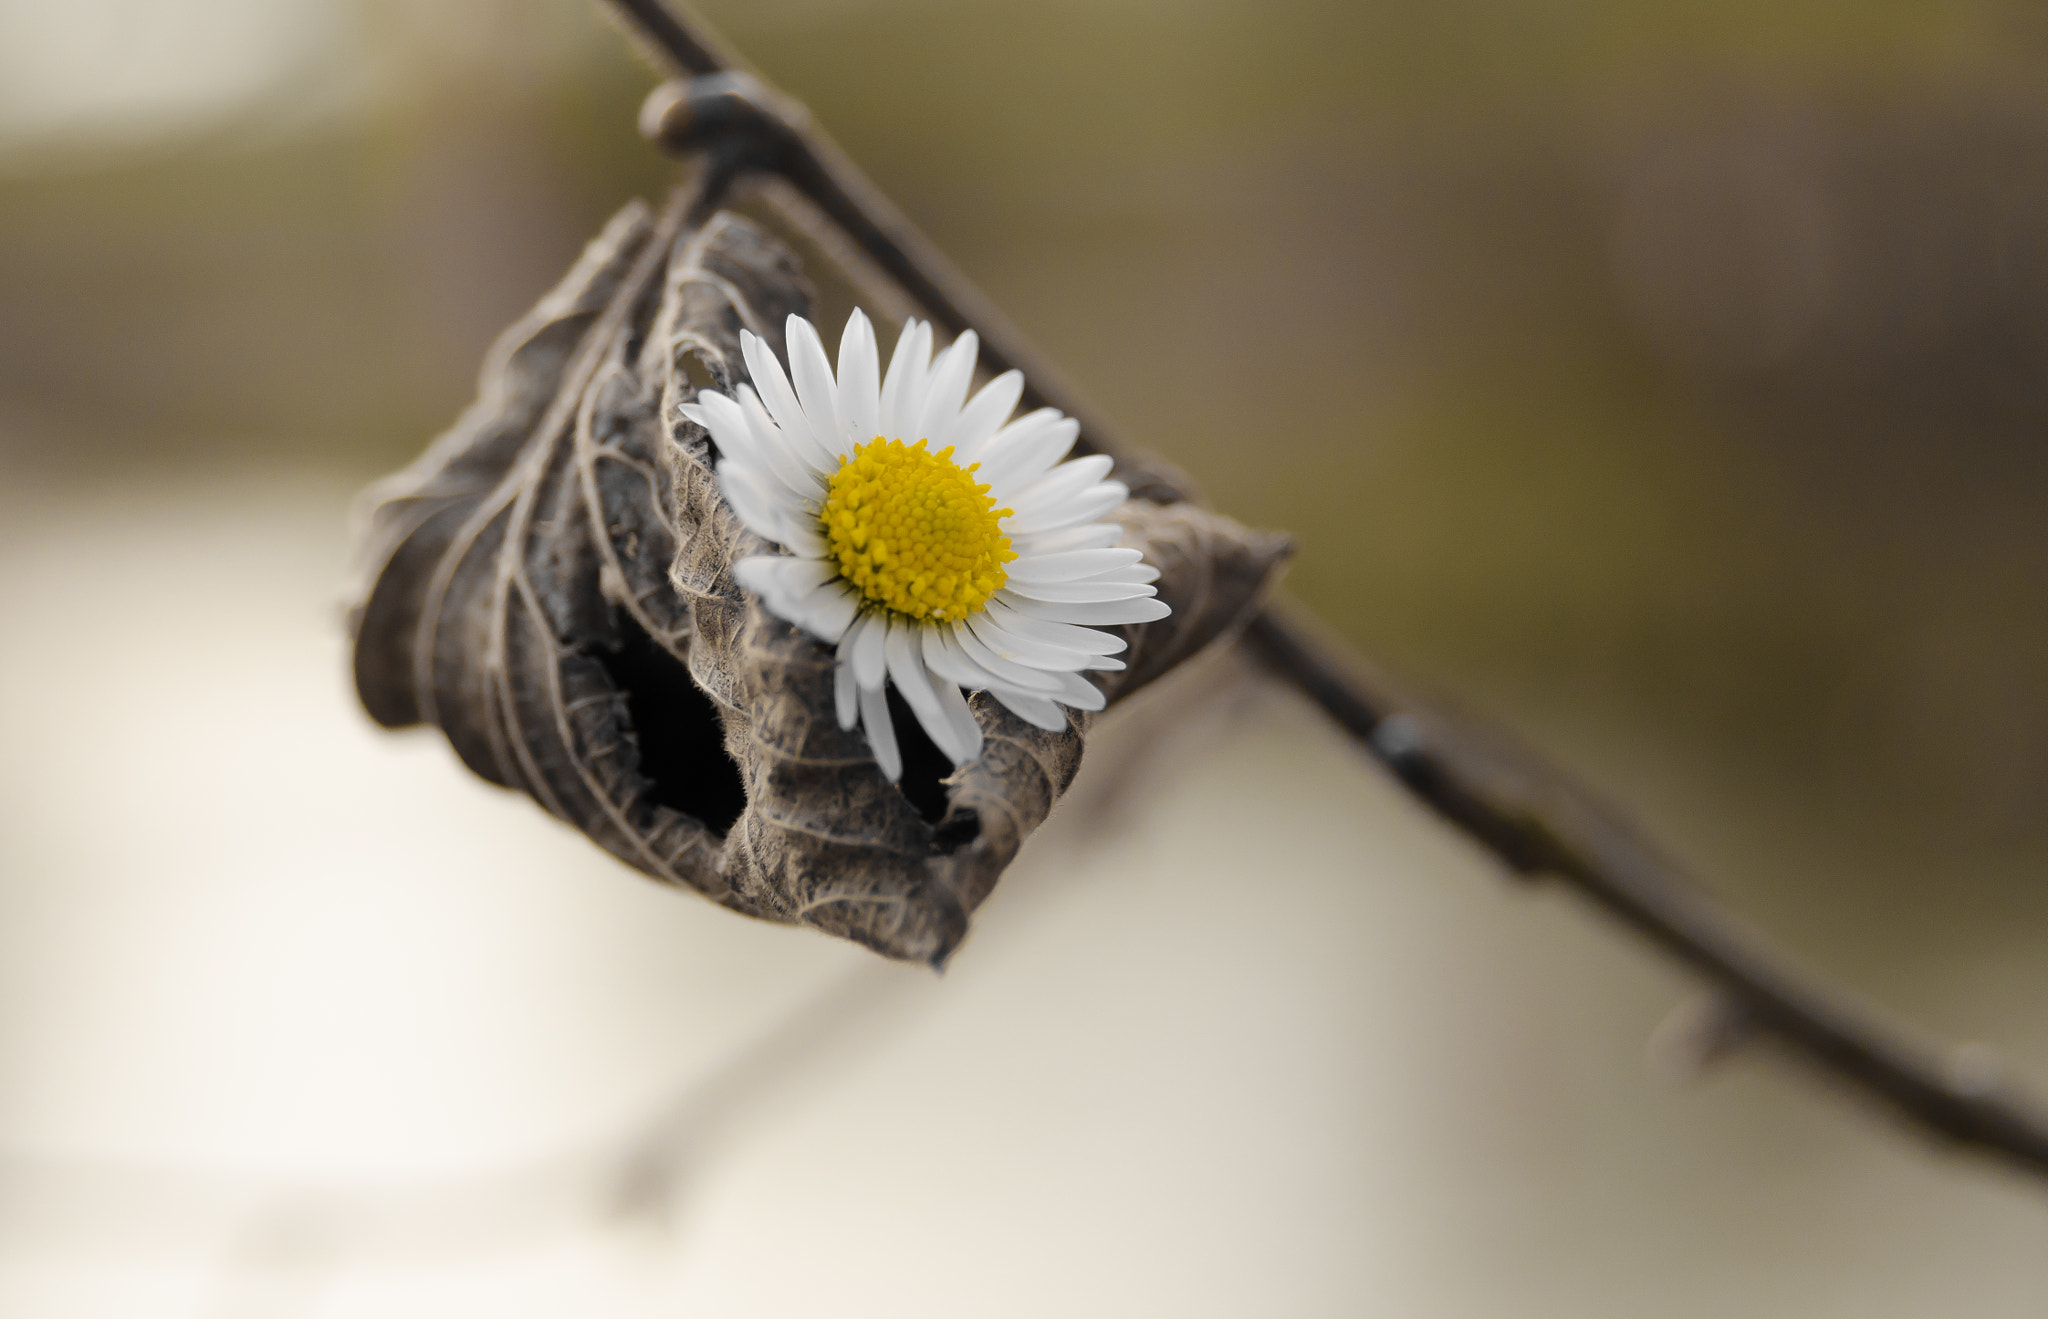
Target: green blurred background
1683, 361
1667, 381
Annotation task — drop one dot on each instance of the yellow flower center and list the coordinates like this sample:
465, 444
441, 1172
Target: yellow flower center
913, 532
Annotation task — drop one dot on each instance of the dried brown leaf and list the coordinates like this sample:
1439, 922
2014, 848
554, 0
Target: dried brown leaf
551, 584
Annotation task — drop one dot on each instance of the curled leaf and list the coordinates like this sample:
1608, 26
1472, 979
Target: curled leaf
551, 584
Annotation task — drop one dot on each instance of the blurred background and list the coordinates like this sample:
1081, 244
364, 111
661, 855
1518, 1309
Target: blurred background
1666, 382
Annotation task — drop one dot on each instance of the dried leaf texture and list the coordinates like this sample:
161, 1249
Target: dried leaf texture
407, 523
551, 584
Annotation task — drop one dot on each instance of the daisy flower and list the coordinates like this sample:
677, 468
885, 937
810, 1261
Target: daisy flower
937, 543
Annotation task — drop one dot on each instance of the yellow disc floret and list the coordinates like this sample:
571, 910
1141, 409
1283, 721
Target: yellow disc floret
913, 532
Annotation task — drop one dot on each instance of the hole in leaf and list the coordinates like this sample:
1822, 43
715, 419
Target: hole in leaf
681, 740
956, 832
923, 763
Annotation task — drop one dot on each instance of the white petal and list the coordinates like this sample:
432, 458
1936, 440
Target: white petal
860, 380
1060, 485
755, 572
966, 729
870, 666
827, 611
1034, 710
1097, 536
845, 695
799, 532
783, 578
903, 387
773, 452
999, 669
1092, 613
721, 415
760, 512
734, 432
906, 670
982, 417
1070, 566
769, 509
1020, 647
765, 373
1080, 693
781, 401
874, 720
946, 390
1026, 449
948, 662
1086, 591
811, 371
770, 488
1086, 640
1140, 573
1090, 504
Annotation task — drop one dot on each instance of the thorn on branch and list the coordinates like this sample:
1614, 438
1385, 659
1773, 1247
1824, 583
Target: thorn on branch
1698, 1035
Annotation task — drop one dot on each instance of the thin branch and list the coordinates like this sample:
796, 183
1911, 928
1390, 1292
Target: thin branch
1540, 823
1529, 815
734, 116
688, 47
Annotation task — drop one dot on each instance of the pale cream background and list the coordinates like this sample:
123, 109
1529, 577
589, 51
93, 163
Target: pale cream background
300, 1019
